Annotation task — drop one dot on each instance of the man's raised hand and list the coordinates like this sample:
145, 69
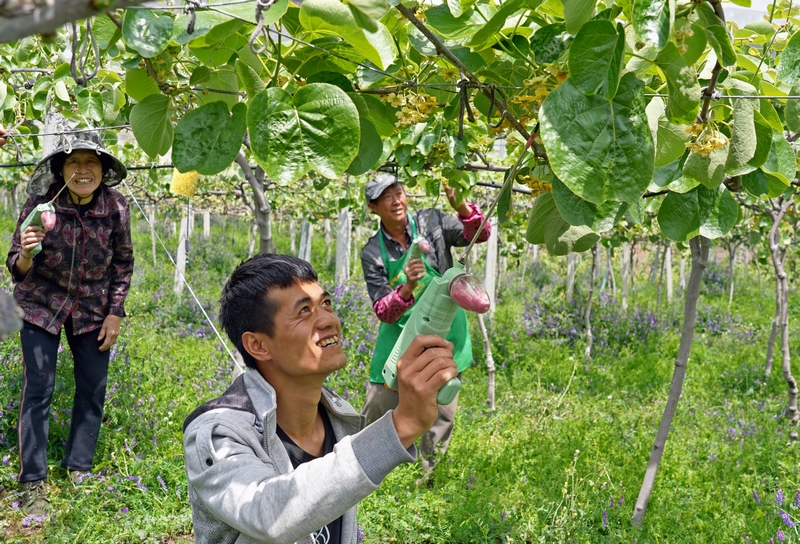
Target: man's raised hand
422, 370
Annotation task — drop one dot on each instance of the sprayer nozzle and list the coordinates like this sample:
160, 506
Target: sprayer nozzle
469, 293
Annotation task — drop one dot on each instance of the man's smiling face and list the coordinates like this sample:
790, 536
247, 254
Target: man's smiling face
307, 334
391, 205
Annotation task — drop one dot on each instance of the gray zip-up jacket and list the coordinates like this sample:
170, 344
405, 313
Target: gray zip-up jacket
242, 486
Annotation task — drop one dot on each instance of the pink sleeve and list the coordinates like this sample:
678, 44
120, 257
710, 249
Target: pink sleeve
472, 222
392, 307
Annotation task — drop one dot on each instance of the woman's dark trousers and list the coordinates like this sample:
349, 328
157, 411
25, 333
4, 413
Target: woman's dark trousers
39, 352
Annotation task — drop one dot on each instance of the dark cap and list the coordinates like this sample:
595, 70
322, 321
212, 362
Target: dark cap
377, 185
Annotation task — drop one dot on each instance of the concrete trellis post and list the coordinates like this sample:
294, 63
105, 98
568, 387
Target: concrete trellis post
343, 235
180, 259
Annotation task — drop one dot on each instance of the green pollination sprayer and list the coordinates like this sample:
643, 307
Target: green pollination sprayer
43, 215
434, 314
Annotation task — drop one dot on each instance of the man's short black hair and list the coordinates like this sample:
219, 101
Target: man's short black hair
245, 305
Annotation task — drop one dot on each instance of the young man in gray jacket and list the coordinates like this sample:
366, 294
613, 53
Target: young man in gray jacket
279, 457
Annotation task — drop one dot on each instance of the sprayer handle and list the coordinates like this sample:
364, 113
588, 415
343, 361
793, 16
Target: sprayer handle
448, 391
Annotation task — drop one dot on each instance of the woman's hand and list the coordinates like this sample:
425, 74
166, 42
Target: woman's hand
29, 239
109, 332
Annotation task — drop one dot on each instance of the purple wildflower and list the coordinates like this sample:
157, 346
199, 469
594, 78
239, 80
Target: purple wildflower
756, 497
780, 536
796, 502
503, 515
6, 460
605, 519
15, 505
779, 497
786, 519
471, 481
161, 481
360, 536
124, 509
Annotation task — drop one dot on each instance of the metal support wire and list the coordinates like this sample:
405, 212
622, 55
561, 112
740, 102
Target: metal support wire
183, 278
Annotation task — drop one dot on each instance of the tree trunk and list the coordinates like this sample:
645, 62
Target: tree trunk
261, 207
343, 235
490, 369
699, 246
180, 260
668, 267
587, 354
624, 263
569, 288
773, 333
656, 261
47, 17
778, 258
490, 269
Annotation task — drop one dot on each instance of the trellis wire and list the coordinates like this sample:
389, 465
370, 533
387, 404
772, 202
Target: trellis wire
183, 278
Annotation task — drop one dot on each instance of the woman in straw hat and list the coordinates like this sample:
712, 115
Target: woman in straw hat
72, 272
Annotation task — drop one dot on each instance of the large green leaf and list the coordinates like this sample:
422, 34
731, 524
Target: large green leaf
743, 141
204, 21
139, 85
781, 161
490, 32
763, 140
601, 149
576, 13
248, 79
91, 104
708, 212
151, 124
207, 139
684, 90
708, 170
789, 65
549, 41
146, 32
105, 32
653, 20
546, 226
316, 129
717, 34
505, 207
370, 149
325, 17
595, 58
792, 112
577, 212
224, 79
442, 21
669, 139
367, 13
